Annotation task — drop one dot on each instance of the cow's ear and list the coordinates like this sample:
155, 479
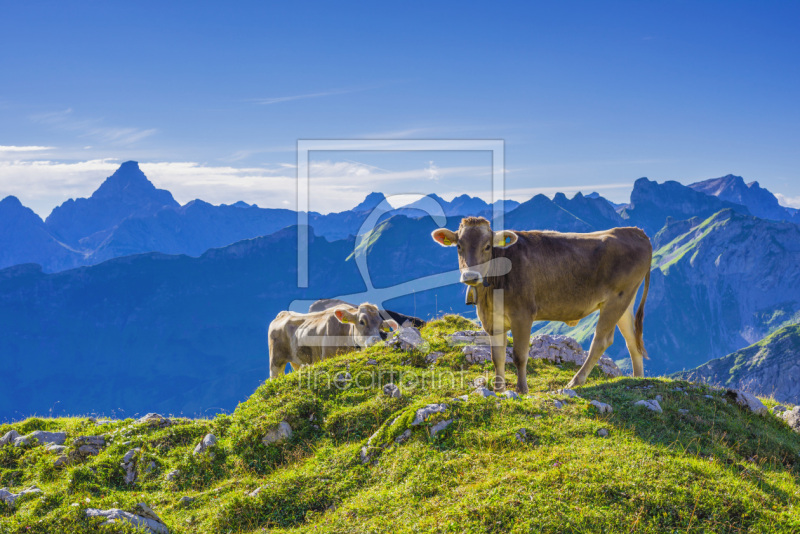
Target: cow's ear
389, 324
345, 316
444, 237
504, 239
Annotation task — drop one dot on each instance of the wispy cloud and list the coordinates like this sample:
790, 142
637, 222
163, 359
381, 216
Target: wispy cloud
789, 202
93, 128
23, 149
279, 99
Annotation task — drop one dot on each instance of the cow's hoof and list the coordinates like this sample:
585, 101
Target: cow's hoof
575, 382
522, 389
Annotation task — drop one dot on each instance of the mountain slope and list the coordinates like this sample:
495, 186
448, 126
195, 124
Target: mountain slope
759, 201
717, 285
24, 238
769, 367
500, 465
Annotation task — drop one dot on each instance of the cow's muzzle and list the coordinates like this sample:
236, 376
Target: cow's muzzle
471, 278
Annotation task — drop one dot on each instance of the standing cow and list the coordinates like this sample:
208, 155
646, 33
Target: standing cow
554, 277
305, 338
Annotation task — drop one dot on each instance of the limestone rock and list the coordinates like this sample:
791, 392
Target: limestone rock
86, 446
510, 395
113, 515
482, 353
602, 407
155, 420
9, 438
747, 401
792, 418
402, 438
438, 427
483, 392
407, 338
186, 501
558, 404
172, 475
602, 433
423, 413
522, 435
10, 498
42, 438
570, 393
433, 357
392, 391
280, 433
564, 349
650, 405
129, 465
208, 442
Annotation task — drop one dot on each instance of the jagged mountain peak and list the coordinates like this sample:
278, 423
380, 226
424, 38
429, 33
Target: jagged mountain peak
370, 202
731, 188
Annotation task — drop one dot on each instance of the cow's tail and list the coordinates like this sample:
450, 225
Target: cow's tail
639, 323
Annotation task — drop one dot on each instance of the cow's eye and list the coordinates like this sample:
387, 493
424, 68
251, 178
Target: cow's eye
488, 247
458, 246
363, 322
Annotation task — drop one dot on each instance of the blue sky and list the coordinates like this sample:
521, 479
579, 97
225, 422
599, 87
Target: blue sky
212, 97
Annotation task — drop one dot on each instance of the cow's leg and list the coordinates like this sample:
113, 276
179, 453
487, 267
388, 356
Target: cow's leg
521, 331
499, 342
603, 337
626, 327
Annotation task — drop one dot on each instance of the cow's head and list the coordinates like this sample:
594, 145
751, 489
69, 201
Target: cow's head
367, 323
474, 240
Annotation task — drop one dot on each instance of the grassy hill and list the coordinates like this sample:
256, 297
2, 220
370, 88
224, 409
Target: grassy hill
712, 468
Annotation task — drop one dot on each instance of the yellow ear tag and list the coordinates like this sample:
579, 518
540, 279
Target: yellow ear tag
446, 241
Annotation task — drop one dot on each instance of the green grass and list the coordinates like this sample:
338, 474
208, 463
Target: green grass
713, 469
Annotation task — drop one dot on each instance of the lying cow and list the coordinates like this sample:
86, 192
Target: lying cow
305, 338
401, 318
554, 277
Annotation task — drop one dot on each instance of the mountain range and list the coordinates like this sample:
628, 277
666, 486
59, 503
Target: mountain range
151, 320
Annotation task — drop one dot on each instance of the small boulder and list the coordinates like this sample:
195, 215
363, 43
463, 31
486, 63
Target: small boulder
602, 433
154, 420
61, 461
522, 435
209, 441
255, 492
172, 475
407, 338
747, 401
114, 514
42, 438
279, 433
558, 404
438, 427
483, 392
10, 498
792, 418
402, 438
9, 438
602, 407
570, 393
650, 405
372, 362
185, 501
510, 395
129, 465
425, 412
433, 357
58, 449
392, 391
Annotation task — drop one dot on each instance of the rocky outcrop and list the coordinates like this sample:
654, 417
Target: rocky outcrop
281, 432
407, 338
41, 437
11, 498
144, 518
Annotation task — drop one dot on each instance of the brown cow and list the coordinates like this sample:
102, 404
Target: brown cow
554, 277
305, 338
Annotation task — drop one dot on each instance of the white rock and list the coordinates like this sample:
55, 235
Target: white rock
172, 475
9, 498
438, 427
423, 413
563, 349
650, 405
407, 338
9, 437
483, 392
277, 434
602, 407
154, 419
129, 465
558, 404
42, 438
208, 442
461, 398
255, 492
433, 356
186, 501
602, 433
114, 514
510, 395
747, 401
372, 362
402, 438
58, 449
792, 418
570, 393
392, 391
482, 354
